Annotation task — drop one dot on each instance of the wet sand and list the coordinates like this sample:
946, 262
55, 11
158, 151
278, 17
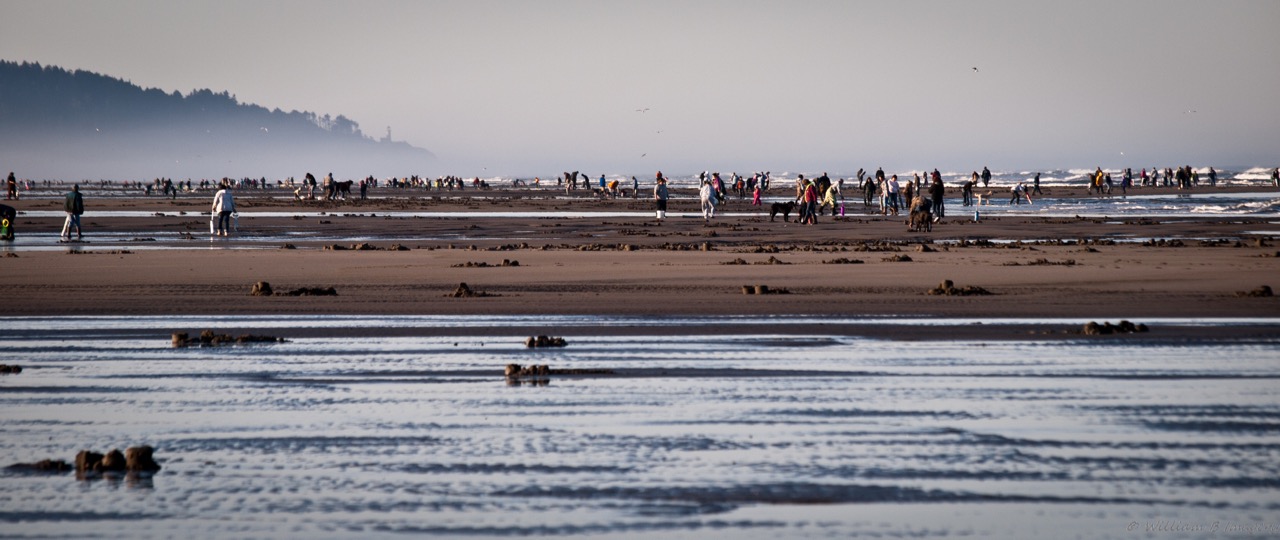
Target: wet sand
1037, 266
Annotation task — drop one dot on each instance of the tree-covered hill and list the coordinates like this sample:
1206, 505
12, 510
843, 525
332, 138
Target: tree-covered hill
56, 123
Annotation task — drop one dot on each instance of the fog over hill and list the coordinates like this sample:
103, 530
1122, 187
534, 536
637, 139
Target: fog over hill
76, 125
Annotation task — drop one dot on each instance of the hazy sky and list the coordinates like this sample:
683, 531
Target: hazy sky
539, 87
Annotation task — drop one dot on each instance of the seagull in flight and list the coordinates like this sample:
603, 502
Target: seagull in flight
975, 69
646, 109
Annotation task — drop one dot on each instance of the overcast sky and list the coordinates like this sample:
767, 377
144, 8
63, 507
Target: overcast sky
540, 87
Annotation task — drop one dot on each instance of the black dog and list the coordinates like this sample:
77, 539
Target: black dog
342, 189
783, 208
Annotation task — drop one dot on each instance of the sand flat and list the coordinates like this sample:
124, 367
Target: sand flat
1086, 266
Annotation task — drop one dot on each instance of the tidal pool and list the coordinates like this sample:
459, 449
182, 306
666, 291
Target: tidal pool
791, 434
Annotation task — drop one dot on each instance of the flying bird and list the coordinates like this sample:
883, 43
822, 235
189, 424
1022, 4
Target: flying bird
646, 109
975, 69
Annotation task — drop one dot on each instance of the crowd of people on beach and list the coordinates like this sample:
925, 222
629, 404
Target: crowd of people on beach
921, 194
885, 194
712, 191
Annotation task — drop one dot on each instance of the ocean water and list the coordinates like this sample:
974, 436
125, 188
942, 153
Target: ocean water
741, 435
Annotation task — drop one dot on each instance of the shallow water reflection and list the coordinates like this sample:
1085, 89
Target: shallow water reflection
730, 435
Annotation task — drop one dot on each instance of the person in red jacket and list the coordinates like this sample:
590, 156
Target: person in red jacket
809, 216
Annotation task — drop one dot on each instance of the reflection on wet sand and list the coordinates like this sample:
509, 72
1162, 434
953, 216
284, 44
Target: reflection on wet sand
740, 434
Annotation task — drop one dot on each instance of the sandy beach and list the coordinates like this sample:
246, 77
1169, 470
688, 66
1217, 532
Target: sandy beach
852, 397
862, 264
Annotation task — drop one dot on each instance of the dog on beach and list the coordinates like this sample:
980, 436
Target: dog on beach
983, 198
341, 189
783, 208
921, 217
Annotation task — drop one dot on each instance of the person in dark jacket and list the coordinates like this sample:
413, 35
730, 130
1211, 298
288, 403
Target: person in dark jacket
74, 206
936, 194
660, 196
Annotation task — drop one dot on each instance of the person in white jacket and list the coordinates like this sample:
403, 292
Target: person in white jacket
223, 205
707, 194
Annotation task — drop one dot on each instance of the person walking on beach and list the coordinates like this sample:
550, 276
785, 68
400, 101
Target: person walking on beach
966, 192
1035, 186
74, 206
330, 187
1213, 177
910, 190
986, 176
635, 188
660, 197
809, 202
893, 191
1275, 177
755, 196
707, 194
717, 185
937, 194
882, 188
223, 205
12, 183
